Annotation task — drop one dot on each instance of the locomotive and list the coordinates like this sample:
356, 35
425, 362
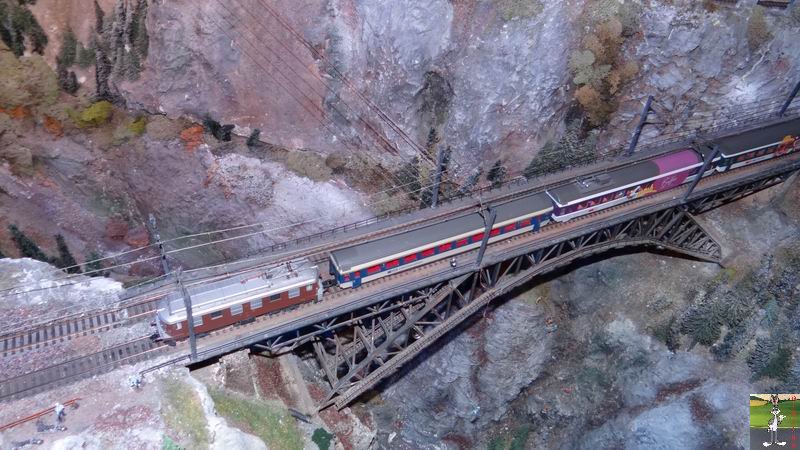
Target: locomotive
243, 298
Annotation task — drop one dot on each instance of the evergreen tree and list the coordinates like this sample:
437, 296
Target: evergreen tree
2, 255
27, 248
65, 259
69, 49
408, 177
252, 140
93, 267
497, 174
85, 56
138, 37
98, 17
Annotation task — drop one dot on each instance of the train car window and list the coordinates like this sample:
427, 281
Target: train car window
236, 310
461, 242
216, 315
410, 258
494, 232
374, 269
255, 304
198, 321
445, 247
346, 277
525, 223
393, 263
294, 293
428, 252
275, 297
309, 288
511, 227
477, 237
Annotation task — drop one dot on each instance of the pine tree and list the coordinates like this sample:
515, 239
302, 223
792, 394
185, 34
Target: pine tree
98, 17
252, 140
65, 259
69, 49
93, 267
497, 174
27, 248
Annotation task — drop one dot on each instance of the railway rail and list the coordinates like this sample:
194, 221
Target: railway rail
31, 383
64, 329
144, 348
453, 207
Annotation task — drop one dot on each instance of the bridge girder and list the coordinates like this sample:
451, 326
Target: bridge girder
359, 349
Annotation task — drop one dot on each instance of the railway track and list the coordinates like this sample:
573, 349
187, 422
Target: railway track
318, 253
65, 329
79, 368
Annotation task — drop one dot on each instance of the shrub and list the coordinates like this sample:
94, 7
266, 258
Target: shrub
322, 438
27, 248
138, 126
710, 5
599, 69
702, 324
252, 140
408, 177
571, 150
522, 9
192, 137
497, 174
96, 114
85, 57
778, 365
93, 265
219, 131
65, 258
67, 81
757, 29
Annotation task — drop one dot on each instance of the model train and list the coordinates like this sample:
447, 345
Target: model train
217, 305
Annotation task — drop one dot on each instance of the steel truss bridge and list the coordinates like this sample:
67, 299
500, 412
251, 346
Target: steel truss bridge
362, 336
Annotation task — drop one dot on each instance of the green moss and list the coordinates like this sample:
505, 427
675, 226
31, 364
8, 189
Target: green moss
309, 164
169, 444
183, 414
520, 9
138, 126
96, 114
272, 424
322, 438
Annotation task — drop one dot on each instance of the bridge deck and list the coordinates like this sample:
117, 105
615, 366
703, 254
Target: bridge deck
344, 301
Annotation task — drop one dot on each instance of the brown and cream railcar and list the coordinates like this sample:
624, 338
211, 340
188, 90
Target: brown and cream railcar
238, 299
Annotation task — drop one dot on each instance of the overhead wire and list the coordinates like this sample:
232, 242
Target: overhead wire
289, 80
344, 79
6, 291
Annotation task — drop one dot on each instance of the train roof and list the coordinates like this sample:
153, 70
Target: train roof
222, 294
348, 259
739, 143
604, 182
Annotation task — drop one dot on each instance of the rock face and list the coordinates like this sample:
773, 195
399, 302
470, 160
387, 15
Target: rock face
470, 381
491, 77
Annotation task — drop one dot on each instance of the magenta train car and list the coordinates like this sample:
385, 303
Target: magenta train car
607, 189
